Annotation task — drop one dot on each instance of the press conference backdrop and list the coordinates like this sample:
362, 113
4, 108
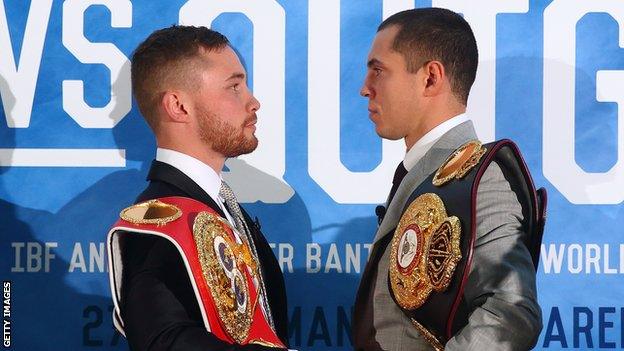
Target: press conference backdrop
74, 151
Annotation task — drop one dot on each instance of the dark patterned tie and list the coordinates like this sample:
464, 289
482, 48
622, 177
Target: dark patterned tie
234, 209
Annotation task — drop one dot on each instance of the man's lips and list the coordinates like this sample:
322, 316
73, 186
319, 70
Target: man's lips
373, 114
251, 122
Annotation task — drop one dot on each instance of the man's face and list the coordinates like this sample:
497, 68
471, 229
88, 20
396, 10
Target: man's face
393, 103
224, 106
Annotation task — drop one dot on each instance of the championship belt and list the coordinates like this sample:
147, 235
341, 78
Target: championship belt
223, 272
432, 246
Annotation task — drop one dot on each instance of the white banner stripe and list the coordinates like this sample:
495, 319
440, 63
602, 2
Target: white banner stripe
62, 158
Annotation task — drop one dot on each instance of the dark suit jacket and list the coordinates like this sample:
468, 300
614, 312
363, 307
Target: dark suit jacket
158, 305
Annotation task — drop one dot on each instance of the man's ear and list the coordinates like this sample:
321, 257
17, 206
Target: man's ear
176, 106
435, 78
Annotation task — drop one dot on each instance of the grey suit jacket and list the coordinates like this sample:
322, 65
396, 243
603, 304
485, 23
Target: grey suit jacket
501, 291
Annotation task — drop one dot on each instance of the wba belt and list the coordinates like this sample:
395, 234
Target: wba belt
432, 246
222, 270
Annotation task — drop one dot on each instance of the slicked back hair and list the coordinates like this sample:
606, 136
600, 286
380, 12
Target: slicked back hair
428, 34
166, 59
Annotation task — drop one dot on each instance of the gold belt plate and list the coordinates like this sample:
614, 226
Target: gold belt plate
151, 212
459, 163
223, 263
425, 251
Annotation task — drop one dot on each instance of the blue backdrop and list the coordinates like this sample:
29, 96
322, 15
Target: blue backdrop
74, 151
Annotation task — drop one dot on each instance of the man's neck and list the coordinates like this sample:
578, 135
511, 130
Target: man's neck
434, 119
422, 146
201, 153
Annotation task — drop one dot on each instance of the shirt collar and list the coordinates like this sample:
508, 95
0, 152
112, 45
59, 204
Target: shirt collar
199, 172
420, 148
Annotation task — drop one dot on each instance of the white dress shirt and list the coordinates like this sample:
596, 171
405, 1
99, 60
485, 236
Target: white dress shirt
202, 174
420, 148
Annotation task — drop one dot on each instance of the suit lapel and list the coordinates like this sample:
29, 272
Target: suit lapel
431, 161
166, 173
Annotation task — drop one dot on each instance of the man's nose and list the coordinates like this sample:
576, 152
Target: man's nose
255, 104
364, 91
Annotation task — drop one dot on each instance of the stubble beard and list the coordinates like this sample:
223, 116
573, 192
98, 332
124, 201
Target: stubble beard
225, 138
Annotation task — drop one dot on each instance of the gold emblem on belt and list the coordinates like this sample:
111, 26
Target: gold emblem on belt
425, 251
459, 163
151, 212
224, 264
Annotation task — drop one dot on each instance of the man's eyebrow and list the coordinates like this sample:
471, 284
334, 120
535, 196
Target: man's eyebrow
237, 75
373, 62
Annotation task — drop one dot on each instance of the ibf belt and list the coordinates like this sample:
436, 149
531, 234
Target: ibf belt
222, 270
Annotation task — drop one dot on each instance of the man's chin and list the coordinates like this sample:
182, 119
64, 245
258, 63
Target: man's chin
386, 135
252, 147
253, 143
247, 147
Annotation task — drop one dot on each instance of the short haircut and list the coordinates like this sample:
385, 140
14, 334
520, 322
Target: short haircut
165, 59
427, 34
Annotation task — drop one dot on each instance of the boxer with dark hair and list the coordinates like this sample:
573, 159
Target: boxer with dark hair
454, 258
189, 269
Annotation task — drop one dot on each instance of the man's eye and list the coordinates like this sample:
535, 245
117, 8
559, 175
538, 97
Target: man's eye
236, 87
377, 71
